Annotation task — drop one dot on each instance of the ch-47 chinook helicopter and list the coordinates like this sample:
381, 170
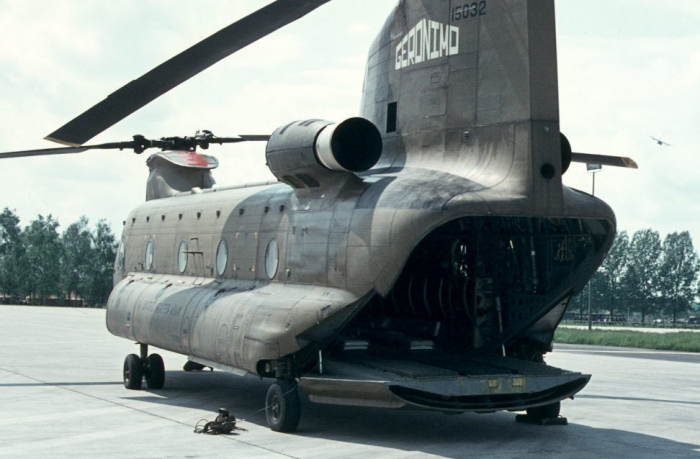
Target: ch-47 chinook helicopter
418, 256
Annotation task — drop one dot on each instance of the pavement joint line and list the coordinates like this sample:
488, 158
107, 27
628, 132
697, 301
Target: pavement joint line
631, 351
64, 387
636, 399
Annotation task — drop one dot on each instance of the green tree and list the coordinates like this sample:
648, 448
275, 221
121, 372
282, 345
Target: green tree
678, 274
104, 251
12, 259
38, 262
606, 284
43, 256
612, 272
598, 293
579, 303
641, 278
77, 269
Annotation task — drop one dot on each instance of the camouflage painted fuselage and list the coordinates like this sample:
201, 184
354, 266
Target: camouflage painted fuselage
460, 245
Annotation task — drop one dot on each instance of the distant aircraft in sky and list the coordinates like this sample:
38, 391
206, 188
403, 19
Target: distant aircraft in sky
660, 142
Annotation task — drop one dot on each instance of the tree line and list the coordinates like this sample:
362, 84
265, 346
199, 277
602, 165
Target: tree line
641, 275
40, 266
645, 277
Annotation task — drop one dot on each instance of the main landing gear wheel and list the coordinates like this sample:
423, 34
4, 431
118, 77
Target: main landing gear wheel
155, 374
546, 415
133, 372
283, 406
137, 368
540, 413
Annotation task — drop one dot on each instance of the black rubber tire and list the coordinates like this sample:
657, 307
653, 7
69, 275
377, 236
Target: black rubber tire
133, 372
539, 413
283, 406
155, 375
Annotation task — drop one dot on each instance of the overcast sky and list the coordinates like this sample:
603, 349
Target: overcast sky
628, 70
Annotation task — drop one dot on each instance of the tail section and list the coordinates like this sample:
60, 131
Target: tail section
471, 90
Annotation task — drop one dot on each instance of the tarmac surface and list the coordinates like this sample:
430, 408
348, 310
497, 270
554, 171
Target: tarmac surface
61, 395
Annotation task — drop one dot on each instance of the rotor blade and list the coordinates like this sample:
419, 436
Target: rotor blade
240, 138
604, 160
255, 138
139, 146
65, 150
182, 67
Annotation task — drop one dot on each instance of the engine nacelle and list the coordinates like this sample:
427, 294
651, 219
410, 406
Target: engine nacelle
308, 154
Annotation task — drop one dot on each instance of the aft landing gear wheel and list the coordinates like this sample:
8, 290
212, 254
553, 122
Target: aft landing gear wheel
540, 413
283, 406
133, 372
155, 374
545, 414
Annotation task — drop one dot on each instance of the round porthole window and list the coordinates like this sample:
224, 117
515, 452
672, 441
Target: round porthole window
122, 255
272, 258
221, 257
182, 257
149, 255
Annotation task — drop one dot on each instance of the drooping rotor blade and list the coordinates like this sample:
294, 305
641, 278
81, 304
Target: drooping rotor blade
180, 68
140, 144
604, 160
240, 138
66, 150
255, 138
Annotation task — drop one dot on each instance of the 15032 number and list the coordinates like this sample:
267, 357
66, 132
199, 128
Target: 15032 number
469, 10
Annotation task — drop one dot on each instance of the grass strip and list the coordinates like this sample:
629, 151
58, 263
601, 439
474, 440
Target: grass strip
672, 341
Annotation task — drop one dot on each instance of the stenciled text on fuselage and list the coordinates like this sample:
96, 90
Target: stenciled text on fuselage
427, 40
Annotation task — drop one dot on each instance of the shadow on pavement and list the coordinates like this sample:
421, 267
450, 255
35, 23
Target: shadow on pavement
450, 436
